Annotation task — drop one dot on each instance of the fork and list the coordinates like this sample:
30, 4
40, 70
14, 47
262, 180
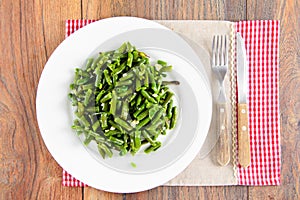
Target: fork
220, 67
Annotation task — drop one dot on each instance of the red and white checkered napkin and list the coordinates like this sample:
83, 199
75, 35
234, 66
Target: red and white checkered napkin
261, 40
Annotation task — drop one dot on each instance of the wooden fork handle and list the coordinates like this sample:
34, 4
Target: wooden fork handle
223, 155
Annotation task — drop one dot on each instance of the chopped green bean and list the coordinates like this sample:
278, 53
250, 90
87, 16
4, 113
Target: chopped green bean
113, 103
123, 123
107, 77
87, 97
174, 117
148, 97
122, 101
106, 97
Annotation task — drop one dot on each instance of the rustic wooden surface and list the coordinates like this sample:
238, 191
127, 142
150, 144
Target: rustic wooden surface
29, 32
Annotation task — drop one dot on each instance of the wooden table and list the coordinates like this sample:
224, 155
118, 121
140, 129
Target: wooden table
31, 31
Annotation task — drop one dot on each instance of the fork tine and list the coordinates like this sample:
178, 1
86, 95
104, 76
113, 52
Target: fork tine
226, 50
222, 50
218, 46
219, 50
214, 51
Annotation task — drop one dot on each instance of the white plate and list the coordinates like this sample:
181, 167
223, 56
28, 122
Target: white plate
180, 146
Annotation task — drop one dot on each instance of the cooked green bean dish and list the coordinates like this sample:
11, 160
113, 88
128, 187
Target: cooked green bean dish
121, 101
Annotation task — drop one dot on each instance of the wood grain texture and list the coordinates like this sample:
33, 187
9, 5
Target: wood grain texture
31, 30
27, 170
289, 60
243, 136
166, 10
223, 144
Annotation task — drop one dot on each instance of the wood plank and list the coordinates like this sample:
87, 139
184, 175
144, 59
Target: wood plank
185, 9
27, 170
288, 14
94, 194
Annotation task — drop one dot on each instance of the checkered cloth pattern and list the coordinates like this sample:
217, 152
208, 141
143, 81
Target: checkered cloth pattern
261, 41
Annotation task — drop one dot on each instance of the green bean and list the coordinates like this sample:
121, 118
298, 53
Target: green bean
82, 81
157, 116
87, 97
153, 111
113, 103
138, 100
88, 140
99, 96
166, 69
126, 76
98, 73
87, 86
162, 63
84, 121
130, 59
147, 137
137, 85
167, 125
103, 120
168, 97
103, 60
143, 55
146, 80
135, 55
83, 73
143, 115
148, 104
104, 148
124, 110
116, 126
119, 69
132, 97
133, 164
169, 109
152, 80
122, 48
174, 117
143, 123
123, 123
107, 77
127, 93
107, 97
122, 101
101, 151
96, 125
116, 140
171, 83
138, 111
122, 83
112, 66
147, 96
94, 64
121, 89
105, 107
153, 147
137, 139
73, 99
155, 125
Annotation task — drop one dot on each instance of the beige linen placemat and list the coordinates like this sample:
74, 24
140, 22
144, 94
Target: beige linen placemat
204, 170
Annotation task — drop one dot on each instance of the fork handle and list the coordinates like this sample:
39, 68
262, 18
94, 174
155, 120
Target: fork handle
223, 155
